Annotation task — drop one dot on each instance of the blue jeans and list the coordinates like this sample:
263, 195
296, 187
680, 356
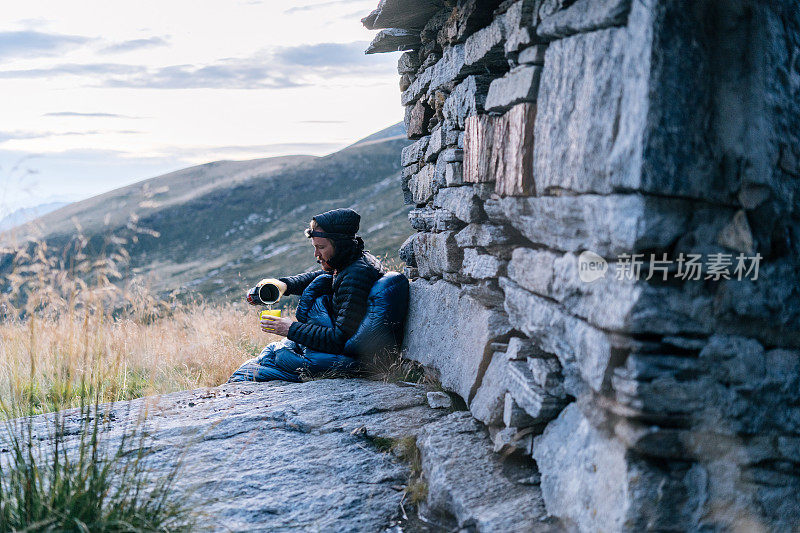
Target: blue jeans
286, 360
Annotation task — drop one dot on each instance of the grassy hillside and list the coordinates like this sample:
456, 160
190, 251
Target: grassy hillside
223, 226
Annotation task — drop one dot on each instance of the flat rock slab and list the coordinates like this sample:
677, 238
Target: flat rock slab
278, 456
475, 488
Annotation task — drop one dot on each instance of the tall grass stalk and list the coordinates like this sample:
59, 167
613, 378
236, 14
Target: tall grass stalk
64, 322
72, 338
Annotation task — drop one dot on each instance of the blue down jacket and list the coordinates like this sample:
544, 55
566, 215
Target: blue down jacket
382, 325
349, 290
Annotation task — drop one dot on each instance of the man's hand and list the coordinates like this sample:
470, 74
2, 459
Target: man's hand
276, 325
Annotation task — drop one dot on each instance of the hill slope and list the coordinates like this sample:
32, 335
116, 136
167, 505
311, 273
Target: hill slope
223, 226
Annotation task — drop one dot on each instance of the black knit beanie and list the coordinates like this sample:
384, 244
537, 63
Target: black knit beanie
340, 226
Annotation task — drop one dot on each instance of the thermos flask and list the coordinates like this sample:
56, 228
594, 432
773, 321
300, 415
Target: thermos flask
266, 292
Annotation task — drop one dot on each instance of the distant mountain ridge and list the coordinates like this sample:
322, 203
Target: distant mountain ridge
224, 225
26, 214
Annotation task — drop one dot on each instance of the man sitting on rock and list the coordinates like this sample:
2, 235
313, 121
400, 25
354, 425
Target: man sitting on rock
333, 304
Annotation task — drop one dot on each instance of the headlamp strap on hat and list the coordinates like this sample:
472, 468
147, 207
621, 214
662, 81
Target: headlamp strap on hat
327, 235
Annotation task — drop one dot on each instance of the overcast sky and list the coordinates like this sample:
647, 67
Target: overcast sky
97, 94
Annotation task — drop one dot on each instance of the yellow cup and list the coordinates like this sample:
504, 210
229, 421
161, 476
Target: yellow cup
269, 312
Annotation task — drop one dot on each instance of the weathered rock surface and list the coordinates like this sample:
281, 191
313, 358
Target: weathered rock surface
417, 120
439, 400
485, 47
467, 17
478, 142
454, 174
619, 139
393, 40
436, 253
530, 395
589, 140
408, 63
474, 487
581, 469
424, 184
519, 85
427, 219
462, 202
414, 151
518, 19
588, 477
614, 224
467, 99
279, 456
584, 16
533, 55
583, 351
487, 405
401, 14
417, 87
483, 235
614, 301
481, 266
451, 333
511, 164
450, 68
437, 143
500, 150
406, 252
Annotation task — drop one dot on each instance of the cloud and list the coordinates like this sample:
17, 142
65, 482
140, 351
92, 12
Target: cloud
134, 44
312, 7
280, 68
226, 74
256, 150
74, 69
6, 136
321, 122
325, 55
31, 43
93, 115
33, 22
283, 67
354, 15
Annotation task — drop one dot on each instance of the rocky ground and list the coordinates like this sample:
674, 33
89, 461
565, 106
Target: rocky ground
315, 457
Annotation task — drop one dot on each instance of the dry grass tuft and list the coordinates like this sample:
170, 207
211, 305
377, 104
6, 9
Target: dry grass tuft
67, 318
193, 347
389, 366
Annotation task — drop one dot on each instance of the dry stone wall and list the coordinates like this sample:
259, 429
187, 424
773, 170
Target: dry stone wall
575, 162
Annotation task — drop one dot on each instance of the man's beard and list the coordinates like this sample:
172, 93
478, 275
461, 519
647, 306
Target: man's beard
325, 266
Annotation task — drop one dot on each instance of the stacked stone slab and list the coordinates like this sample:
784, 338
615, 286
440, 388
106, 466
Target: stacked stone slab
546, 130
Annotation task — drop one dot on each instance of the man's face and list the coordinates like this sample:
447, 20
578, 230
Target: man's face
323, 251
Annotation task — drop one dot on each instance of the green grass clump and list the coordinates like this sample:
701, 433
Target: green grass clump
57, 477
416, 487
405, 448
